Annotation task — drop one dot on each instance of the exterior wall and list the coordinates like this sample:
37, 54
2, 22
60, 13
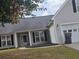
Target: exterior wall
52, 34
64, 16
17, 42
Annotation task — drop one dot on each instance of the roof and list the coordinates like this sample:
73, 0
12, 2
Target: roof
27, 24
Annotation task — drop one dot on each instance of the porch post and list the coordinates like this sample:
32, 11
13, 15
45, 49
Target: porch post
15, 40
30, 39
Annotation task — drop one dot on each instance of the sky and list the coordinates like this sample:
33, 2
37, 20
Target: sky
51, 5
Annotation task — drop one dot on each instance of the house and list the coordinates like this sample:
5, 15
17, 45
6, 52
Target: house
65, 26
62, 28
27, 32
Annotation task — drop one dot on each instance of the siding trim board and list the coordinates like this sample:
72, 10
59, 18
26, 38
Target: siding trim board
69, 23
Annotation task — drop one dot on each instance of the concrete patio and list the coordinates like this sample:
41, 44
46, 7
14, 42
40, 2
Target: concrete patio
73, 45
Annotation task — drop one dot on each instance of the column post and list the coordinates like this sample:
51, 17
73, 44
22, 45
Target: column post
15, 40
30, 39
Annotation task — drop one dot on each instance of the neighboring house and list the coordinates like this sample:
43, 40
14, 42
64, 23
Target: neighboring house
65, 26
27, 32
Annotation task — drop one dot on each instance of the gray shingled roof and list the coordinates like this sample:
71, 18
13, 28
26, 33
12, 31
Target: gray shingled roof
26, 24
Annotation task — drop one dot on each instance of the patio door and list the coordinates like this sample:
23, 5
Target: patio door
24, 40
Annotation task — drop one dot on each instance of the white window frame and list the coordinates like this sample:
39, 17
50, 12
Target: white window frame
43, 35
36, 37
39, 36
9, 40
3, 40
6, 40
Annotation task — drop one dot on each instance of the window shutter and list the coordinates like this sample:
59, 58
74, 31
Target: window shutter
0, 41
12, 38
45, 34
33, 37
74, 6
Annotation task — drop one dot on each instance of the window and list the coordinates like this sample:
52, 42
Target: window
42, 36
9, 41
38, 36
64, 31
77, 4
69, 30
3, 41
75, 30
6, 40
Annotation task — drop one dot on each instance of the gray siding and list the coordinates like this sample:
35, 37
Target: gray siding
66, 14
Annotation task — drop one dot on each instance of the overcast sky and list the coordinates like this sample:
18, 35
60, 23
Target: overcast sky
51, 5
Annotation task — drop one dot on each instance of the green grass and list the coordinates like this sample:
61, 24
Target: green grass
41, 53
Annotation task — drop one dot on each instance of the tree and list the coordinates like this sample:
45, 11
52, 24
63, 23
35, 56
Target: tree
10, 10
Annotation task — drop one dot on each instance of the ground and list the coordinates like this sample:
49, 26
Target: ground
61, 52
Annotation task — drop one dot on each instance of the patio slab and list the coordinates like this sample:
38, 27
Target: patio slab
73, 45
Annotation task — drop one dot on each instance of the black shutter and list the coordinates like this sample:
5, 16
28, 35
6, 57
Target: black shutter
45, 34
12, 38
74, 6
33, 37
0, 41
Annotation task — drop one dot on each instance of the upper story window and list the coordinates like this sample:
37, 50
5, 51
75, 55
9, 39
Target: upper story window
77, 5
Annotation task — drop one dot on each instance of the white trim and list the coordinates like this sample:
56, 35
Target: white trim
7, 47
6, 40
15, 40
30, 39
69, 23
41, 29
40, 41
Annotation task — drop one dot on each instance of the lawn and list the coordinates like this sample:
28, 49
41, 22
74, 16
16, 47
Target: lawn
41, 53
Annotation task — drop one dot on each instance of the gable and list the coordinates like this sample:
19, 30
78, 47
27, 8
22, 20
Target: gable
66, 14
